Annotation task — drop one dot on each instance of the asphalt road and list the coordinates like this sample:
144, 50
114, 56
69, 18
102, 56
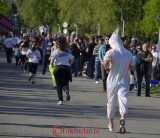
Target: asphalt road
30, 111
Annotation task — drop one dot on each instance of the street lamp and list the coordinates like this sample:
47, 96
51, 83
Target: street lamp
76, 29
59, 29
122, 26
98, 28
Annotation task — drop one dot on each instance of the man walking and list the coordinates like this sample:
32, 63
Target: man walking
118, 79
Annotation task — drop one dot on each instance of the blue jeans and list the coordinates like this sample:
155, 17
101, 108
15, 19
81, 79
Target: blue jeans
76, 66
90, 66
45, 63
97, 70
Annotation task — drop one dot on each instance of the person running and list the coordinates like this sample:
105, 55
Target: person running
121, 61
8, 47
63, 60
34, 56
24, 47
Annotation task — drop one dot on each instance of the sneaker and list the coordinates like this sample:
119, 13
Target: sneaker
66, 90
122, 126
111, 128
33, 82
30, 78
97, 82
60, 103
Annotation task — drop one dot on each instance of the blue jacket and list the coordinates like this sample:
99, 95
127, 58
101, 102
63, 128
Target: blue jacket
44, 45
102, 52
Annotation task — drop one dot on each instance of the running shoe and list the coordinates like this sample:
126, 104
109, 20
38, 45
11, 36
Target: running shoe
60, 103
122, 126
111, 128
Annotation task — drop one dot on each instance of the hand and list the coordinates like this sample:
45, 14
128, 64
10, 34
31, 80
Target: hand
102, 63
142, 58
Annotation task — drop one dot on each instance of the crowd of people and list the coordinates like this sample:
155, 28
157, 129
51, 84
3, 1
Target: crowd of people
96, 58
88, 56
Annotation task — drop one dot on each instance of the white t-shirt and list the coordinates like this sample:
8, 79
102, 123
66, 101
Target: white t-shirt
61, 57
155, 55
9, 43
33, 56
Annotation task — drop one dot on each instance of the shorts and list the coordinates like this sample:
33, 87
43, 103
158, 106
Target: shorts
33, 67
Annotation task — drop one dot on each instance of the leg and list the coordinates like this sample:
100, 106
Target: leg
123, 105
123, 100
44, 64
103, 74
76, 66
147, 79
139, 85
111, 105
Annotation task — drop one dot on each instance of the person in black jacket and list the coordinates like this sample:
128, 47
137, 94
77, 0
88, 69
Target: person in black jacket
75, 49
82, 55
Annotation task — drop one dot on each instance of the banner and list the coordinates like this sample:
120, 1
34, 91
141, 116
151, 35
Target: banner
6, 22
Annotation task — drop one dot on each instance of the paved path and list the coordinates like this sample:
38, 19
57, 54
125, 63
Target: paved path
30, 111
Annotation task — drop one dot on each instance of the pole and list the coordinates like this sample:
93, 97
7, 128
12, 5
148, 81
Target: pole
123, 29
77, 31
99, 28
121, 22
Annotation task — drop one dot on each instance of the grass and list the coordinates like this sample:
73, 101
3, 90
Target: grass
153, 89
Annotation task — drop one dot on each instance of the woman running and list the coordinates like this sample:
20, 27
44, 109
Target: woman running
63, 60
34, 56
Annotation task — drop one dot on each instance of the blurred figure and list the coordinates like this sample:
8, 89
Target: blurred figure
90, 62
46, 45
8, 48
103, 49
155, 62
97, 61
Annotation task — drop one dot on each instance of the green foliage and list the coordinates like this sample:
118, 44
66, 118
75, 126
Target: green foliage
139, 15
150, 24
38, 12
5, 8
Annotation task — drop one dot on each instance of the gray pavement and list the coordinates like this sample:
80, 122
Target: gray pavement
30, 111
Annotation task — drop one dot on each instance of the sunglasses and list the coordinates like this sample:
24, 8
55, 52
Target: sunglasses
139, 48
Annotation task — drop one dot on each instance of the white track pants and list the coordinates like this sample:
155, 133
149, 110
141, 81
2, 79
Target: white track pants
117, 90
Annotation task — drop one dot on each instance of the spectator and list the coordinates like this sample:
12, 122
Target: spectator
75, 49
97, 61
144, 68
103, 49
90, 62
46, 45
82, 55
155, 61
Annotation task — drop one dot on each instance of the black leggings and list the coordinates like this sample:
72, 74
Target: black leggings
62, 75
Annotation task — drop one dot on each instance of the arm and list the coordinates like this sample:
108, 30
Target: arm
95, 52
149, 58
71, 61
100, 55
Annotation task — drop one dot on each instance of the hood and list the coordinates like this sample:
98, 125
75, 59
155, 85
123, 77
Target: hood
115, 41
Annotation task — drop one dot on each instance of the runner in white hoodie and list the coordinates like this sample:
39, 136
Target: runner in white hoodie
118, 80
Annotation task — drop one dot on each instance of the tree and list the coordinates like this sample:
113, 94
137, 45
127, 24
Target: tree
150, 25
5, 8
